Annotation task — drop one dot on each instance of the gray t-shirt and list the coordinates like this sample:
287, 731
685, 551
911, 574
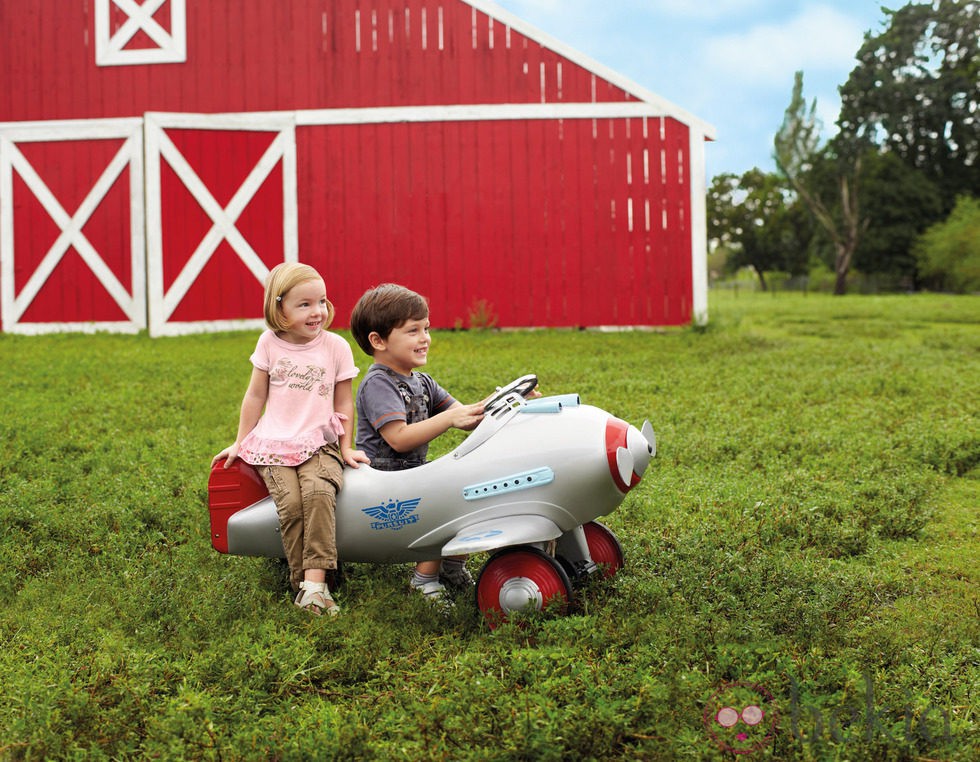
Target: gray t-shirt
385, 396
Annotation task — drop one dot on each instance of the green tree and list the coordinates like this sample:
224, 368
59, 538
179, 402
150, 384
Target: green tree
916, 92
899, 203
949, 251
792, 233
752, 217
796, 150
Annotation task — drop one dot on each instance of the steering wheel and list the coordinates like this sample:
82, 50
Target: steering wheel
522, 386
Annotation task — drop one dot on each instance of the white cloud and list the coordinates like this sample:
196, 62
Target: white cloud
731, 62
710, 10
818, 39
828, 109
529, 8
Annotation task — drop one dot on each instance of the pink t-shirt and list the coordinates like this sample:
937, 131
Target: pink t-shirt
299, 415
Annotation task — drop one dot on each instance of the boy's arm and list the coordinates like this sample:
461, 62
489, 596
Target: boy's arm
343, 403
404, 437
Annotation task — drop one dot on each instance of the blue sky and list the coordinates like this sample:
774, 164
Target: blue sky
730, 62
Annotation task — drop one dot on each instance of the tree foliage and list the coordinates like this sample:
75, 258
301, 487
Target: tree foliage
899, 203
916, 92
758, 221
949, 252
796, 149
907, 146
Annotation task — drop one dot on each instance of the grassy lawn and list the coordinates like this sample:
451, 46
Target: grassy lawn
807, 541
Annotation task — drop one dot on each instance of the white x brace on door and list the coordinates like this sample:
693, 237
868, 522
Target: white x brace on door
164, 299
130, 296
168, 46
144, 296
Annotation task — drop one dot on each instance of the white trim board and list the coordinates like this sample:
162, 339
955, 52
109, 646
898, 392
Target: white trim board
480, 113
188, 328
400, 114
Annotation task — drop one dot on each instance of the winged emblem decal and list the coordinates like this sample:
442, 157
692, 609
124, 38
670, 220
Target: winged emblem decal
393, 514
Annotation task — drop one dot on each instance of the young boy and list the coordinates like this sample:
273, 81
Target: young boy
399, 409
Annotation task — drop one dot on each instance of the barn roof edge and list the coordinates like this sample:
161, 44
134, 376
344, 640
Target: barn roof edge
633, 88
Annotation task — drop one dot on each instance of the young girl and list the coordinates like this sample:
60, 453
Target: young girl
301, 378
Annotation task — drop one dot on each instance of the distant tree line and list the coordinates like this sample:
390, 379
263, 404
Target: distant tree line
894, 193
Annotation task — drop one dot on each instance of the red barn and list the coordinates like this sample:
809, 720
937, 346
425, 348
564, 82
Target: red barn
158, 157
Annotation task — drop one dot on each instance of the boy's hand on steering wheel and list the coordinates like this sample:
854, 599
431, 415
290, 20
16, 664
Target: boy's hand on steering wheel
467, 417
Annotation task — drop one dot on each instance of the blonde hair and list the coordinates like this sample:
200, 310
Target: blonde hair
280, 280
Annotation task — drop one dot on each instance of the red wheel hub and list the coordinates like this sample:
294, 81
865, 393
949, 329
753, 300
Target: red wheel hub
519, 579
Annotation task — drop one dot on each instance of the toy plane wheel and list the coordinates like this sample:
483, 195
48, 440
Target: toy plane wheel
521, 578
604, 548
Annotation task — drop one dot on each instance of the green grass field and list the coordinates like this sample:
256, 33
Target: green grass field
806, 541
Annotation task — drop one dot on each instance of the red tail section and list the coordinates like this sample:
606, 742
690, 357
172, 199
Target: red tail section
229, 490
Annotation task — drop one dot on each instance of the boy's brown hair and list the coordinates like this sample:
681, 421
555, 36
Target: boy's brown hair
382, 309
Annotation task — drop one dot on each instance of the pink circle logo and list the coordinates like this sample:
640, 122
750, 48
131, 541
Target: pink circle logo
741, 717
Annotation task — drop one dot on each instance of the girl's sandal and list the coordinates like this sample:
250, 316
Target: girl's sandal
315, 598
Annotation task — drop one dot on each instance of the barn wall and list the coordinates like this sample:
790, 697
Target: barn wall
558, 222
500, 217
256, 55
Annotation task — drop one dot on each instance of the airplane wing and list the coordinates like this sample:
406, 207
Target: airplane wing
498, 533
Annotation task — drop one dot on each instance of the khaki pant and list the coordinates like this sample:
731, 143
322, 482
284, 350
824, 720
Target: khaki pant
306, 500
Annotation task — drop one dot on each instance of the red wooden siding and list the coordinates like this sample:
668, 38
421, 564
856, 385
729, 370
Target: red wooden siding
257, 55
466, 211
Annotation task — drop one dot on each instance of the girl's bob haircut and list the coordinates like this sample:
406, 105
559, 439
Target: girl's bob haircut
281, 279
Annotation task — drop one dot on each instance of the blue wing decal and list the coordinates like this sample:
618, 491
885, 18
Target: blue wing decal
393, 514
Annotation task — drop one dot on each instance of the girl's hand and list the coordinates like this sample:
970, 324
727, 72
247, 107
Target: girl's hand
353, 457
230, 453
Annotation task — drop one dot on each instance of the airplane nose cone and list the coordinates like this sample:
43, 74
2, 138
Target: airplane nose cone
629, 450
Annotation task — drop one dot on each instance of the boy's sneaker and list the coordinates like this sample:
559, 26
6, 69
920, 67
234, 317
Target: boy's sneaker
433, 590
430, 589
435, 595
456, 575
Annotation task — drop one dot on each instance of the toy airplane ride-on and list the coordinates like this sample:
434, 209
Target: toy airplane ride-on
526, 485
